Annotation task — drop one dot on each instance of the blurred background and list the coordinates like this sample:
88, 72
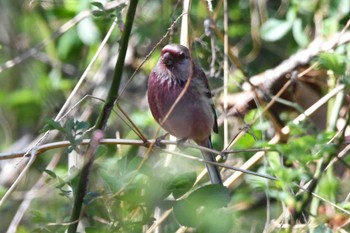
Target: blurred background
45, 47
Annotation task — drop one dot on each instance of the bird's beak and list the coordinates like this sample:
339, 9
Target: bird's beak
167, 59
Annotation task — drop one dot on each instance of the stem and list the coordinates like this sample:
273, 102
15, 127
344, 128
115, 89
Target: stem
103, 117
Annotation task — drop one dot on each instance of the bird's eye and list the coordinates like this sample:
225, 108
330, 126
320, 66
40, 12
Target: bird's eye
181, 55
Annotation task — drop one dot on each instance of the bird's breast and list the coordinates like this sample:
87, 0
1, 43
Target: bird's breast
190, 116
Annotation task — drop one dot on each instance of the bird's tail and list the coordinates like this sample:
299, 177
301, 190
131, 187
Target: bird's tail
213, 171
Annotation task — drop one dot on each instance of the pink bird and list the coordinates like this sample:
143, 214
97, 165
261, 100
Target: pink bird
193, 117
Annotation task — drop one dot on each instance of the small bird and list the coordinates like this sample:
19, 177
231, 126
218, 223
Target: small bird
193, 116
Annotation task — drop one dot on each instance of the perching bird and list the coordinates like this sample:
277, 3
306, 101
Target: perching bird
193, 117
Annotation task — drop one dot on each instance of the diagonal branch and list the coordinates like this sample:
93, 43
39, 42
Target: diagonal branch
269, 79
60, 31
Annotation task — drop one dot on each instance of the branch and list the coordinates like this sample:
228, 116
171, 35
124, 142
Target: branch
109, 141
60, 31
230, 181
35, 50
104, 115
301, 58
270, 79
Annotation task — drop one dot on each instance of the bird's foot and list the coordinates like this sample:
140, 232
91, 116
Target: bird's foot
180, 142
158, 141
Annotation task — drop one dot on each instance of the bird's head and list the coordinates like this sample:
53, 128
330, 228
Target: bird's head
173, 54
176, 58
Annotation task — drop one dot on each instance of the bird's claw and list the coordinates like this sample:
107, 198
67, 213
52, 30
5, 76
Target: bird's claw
158, 141
180, 142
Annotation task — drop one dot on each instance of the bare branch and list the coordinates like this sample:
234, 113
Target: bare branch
266, 81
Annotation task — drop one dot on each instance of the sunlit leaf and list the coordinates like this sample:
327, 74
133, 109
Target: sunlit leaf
333, 61
299, 34
50, 173
98, 5
275, 29
344, 7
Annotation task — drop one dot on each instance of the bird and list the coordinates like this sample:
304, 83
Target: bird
193, 116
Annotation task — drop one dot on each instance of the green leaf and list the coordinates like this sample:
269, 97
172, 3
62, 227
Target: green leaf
110, 179
67, 43
133, 194
299, 34
200, 214
38, 216
52, 125
98, 5
50, 173
291, 14
185, 213
95, 230
329, 185
68, 149
275, 29
69, 126
333, 61
330, 25
134, 163
88, 32
82, 125
212, 196
344, 8
98, 13
345, 205
65, 193
22, 97
101, 150
182, 183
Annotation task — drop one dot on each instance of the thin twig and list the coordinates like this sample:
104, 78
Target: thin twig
66, 104
60, 31
19, 178
157, 223
221, 165
131, 124
226, 72
258, 156
29, 196
148, 55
